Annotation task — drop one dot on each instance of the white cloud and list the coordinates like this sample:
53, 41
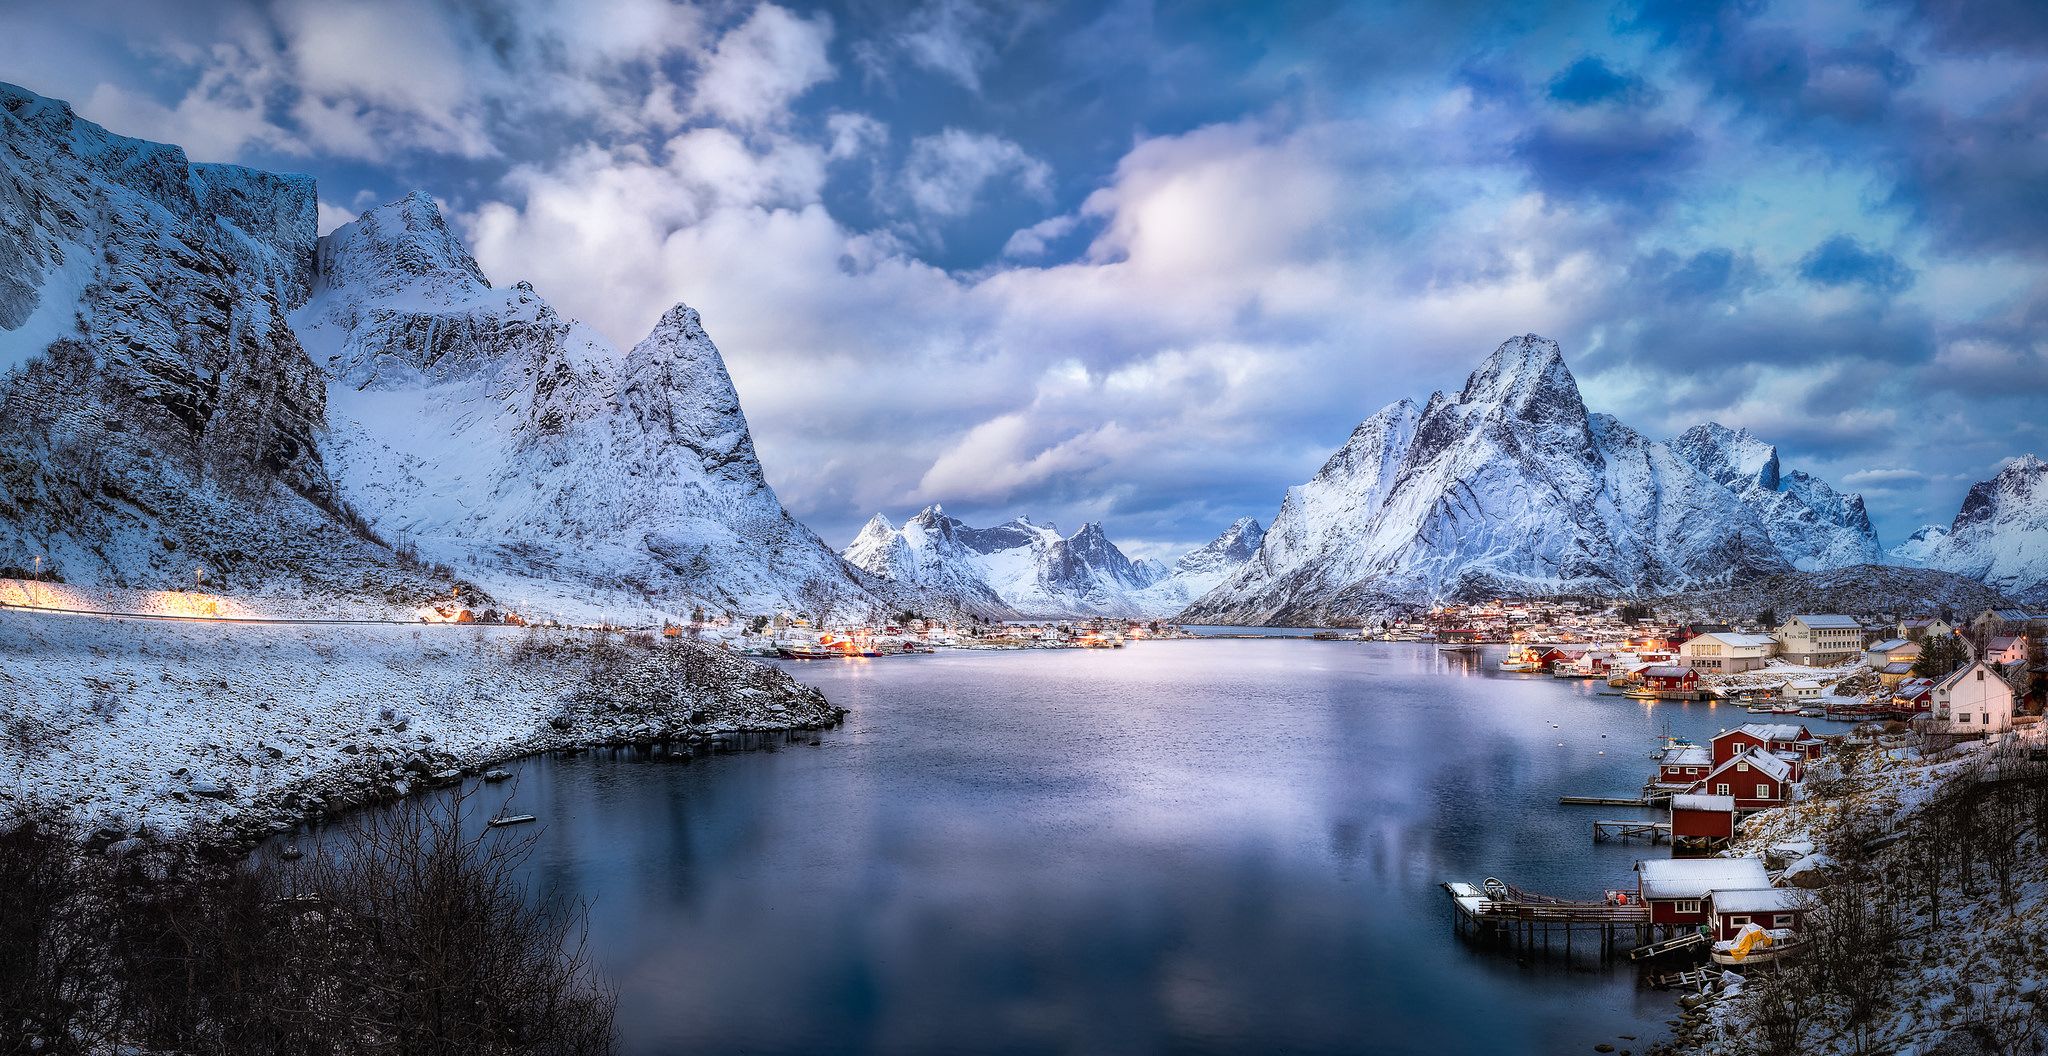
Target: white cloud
1032, 241
956, 39
332, 216
852, 135
762, 65
945, 174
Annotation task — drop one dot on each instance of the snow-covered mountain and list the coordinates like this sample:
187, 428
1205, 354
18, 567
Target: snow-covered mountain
1030, 569
191, 380
2000, 535
1508, 487
481, 427
157, 413
1198, 571
1814, 526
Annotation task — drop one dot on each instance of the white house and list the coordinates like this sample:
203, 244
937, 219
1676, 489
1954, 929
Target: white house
1820, 640
1727, 651
1973, 700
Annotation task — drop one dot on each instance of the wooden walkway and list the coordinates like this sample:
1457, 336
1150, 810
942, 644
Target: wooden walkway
1654, 831
1502, 912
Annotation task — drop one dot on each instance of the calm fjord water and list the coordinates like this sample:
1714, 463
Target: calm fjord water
1190, 846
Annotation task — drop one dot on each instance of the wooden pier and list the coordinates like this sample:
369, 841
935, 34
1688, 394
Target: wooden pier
1603, 801
1654, 831
1499, 912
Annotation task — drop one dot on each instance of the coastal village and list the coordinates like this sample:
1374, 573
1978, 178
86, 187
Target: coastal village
1753, 817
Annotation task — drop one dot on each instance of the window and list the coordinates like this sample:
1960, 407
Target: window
1782, 920
1721, 790
1692, 771
1962, 716
1691, 905
1737, 920
1763, 791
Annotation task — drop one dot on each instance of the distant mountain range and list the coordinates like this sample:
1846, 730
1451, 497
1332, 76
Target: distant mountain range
1511, 487
192, 383
1025, 569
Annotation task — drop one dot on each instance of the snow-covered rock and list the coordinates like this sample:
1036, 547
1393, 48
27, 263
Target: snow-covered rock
1813, 525
159, 413
480, 426
1198, 571
1022, 568
1508, 487
2000, 536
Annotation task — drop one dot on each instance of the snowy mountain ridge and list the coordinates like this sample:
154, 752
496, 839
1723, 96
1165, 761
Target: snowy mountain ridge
1999, 536
1031, 570
1813, 525
193, 381
1510, 486
485, 429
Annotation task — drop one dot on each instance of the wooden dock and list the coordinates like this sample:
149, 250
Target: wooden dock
1603, 801
1500, 912
1654, 831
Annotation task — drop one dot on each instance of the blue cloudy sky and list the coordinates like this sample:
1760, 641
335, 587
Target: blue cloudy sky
1149, 263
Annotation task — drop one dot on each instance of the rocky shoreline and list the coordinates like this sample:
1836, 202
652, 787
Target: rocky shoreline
221, 736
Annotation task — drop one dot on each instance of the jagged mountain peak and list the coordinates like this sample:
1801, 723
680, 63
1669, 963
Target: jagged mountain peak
1999, 536
1523, 370
1733, 453
403, 245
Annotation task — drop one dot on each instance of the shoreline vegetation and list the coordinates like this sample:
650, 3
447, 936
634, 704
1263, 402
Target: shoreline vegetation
408, 932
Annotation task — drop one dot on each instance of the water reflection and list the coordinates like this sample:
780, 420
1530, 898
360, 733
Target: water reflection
1210, 846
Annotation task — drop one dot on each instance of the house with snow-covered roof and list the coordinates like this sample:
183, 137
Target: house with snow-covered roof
1756, 779
1730, 909
1819, 639
1727, 652
1974, 700
1921, 628
1676, 890
2005, 650
1701, 822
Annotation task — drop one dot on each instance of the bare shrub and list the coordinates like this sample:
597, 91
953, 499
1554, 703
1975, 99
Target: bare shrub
52, 941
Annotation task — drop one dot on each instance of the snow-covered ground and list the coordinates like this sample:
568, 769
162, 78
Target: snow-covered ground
1978, 983
233, 730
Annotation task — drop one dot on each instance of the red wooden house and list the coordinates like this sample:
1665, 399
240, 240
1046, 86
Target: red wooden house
1701, 822
1771, 908
1756, 779
1670, 678
1677, 889
1682, 765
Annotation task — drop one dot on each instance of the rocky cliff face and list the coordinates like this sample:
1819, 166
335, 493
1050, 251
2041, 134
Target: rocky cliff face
2000, 536
159, 413
1508, 486
1812, 524
482, 427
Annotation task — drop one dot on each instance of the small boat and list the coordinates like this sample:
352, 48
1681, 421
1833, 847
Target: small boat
1781, 945
503, 820
1813, 712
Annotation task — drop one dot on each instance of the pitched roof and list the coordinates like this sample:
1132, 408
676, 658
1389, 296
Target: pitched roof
1898, 667
1696, 877
1763, 762
1827, 620
1701, 801
1686, 755
1740, 641
1768, 731
1669, 672
1957, 675
1887, 645
1757, 900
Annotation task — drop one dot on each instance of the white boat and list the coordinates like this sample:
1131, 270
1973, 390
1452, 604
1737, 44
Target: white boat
1784, 944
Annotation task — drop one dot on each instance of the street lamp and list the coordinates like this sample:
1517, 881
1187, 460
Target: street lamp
198, 578
39, 566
